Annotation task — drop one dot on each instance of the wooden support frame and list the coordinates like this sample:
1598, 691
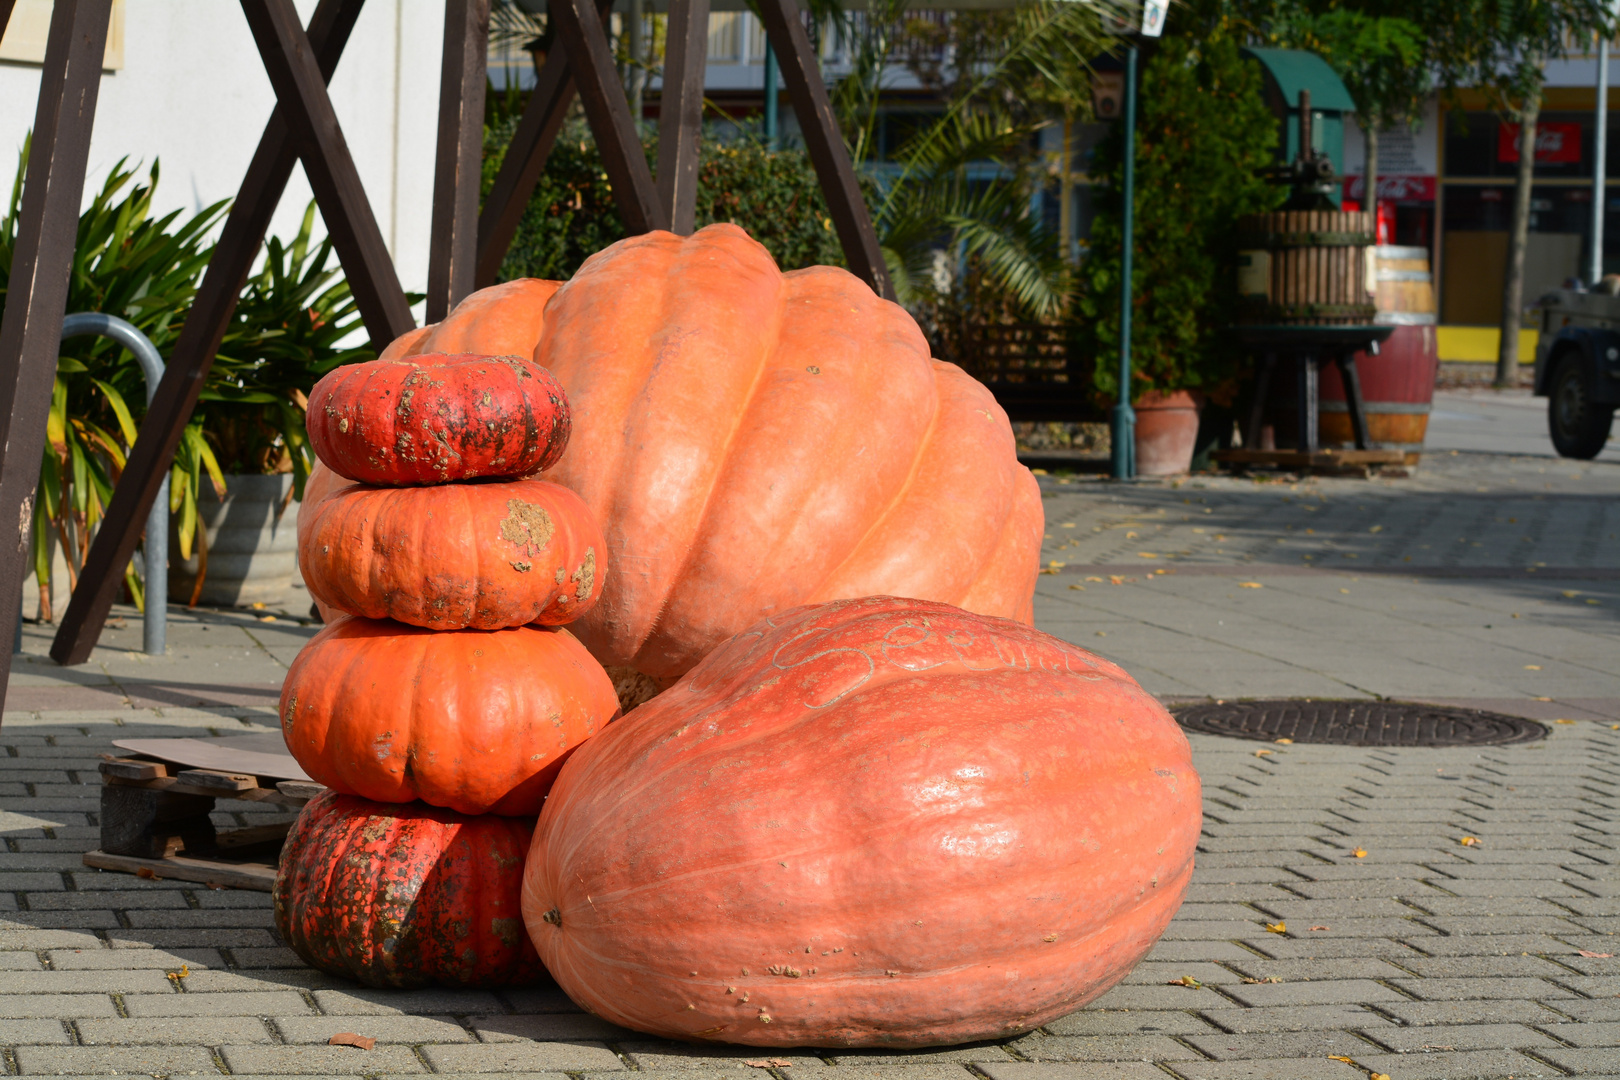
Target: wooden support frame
609, 113
36, 301
200, 337
680, 120
525, 158
453, 243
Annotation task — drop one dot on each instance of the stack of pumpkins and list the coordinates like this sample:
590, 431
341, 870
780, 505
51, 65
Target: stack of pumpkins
439, 709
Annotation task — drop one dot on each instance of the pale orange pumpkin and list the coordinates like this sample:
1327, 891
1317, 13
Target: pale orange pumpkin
752, 440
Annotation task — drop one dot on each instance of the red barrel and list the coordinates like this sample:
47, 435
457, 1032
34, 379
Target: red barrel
1397, 385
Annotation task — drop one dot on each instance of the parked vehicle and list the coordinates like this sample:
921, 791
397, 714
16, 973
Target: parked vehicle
1578, 366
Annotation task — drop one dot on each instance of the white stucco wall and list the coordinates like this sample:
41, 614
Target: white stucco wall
193, 93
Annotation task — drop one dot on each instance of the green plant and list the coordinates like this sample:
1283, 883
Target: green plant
145, 269
1203, 133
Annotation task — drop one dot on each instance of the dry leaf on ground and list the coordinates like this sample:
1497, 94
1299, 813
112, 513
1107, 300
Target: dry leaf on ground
1595, 955
349, 1038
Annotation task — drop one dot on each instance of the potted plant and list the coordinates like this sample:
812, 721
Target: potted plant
1203, 135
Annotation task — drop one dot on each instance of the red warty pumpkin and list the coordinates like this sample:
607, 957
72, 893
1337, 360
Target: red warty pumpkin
874, 822
474, 720
404, 896
456, 555
435, 419
752, 440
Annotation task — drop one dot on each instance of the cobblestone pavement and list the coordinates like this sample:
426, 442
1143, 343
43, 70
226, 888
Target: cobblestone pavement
1294, 957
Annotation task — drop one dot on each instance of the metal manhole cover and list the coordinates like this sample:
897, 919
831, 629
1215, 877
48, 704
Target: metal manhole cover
1359, 723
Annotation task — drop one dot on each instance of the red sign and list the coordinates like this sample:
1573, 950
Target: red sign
1392, 188
1557, 143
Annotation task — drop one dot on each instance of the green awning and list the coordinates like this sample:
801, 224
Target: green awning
1294, 70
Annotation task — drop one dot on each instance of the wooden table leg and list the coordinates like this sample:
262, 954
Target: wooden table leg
187, 370
807, 91
1352, 397
680, 120
36, 300
1309, 377
608, 111
1257, 412
457, 168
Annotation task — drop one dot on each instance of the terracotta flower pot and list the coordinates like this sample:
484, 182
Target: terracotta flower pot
1166, 432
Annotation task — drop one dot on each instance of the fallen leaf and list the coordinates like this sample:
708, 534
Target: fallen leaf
1359, 853
1378, 1076
1187, 981
1469, 841
176, 976
1093, 578
1146, 555
1336, 1057
1570, 594
1595, 955
1284, 742
1250, 585
1321, 928
1262, 753
1376, 528
144, 872
1563, 721
349, 1038
767, 1063
1267, 979
1277, 927
258, 605
1532, 667
1078, 588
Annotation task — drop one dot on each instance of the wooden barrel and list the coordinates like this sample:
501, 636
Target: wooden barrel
1397, 385
1305, 268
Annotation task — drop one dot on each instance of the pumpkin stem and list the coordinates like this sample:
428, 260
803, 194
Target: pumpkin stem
554, 917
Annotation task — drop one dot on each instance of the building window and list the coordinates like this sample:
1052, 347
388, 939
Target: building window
725, 37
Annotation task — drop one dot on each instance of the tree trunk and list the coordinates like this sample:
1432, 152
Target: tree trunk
1066, 188
1369, 197
1507, 355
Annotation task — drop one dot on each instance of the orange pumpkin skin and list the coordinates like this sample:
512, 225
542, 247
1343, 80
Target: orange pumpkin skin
477, 721
502, 320
438, 419
874, 822
405, 896
752, 440
485, 556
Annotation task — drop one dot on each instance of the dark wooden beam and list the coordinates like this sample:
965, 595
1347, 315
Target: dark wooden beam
802, 75
457, 170
680, 120
5, 14
301, 94
36, 297
608, 111
525, 158
193, 356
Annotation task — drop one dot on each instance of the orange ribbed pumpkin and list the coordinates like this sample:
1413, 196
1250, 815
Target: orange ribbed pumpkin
478, 721
455, 555
752, 440
873, 822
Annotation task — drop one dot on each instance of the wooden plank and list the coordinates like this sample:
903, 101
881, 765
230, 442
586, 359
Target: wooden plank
680, 120
251, 836
187, 370
175, 785
457, 169
300, 789
129, 769
608, 111
824, 143
301, 93
221, 783
36, 299
525, 158
243, 875
257, 755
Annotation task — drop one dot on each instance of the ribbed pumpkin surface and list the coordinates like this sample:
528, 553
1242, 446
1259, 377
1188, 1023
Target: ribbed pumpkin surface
404, 896
478, 721
486, 556
752, 440
875, 822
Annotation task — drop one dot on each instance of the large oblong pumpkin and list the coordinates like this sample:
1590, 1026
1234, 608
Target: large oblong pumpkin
874, 822
477, 721
486, 556
752, 440
405, 896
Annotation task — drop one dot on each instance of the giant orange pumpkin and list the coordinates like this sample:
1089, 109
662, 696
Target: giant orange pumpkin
477, 721
874, 822
456, 555
403, 896
752, 440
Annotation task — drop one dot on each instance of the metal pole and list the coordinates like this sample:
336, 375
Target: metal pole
772, 132
156, 548
1124, 428
1600, 150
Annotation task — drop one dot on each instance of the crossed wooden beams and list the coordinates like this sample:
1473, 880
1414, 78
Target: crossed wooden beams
466, 247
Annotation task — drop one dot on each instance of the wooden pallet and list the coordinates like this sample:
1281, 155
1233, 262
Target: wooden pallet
156, 801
